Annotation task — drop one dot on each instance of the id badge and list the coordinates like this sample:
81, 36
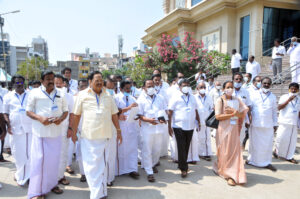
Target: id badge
295, 111
54, 108
98, 111
188, 109
22, 110
233, 121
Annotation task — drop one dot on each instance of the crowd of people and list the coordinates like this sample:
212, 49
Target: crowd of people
113, 127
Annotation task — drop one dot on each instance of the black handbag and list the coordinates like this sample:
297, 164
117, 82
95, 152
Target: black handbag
211, 120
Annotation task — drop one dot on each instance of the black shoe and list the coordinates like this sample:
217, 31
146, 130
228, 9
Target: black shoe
110, 184
82, 178
155, 170
158, 164
207, 158
275, 155
134, 175
183, 174
151, 178
192, 162
271, 167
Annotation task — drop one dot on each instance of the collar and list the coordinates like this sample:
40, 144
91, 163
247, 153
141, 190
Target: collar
14, 92
90, 90
44, 89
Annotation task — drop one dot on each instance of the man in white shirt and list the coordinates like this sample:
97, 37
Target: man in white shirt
286, 139
264, 123
199, 75
127, 152
243, 94
294, 52
253, 67
277, 53
236, 60
182, 116
216, 92
59, 84
153, 116
204, 107
209, 84
164, 84
48, 108
19, 126
73, 84
3, 92
255, 86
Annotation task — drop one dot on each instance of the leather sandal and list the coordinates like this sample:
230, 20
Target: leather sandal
231, 182
57, 190
293, 161
64, 181
151, 178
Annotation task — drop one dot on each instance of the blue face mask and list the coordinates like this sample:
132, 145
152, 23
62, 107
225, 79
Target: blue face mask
126, 94
237, 85
295, 43
111, 91
30, 87
258, 85
132, 88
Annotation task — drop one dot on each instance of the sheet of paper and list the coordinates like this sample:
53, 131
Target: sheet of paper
133, 112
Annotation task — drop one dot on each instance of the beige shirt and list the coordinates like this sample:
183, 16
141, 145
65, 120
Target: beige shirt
96, 120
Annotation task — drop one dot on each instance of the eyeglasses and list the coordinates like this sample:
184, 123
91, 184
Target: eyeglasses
19, 83
238, 79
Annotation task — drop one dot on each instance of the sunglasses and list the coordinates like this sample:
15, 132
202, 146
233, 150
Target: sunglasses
19, 83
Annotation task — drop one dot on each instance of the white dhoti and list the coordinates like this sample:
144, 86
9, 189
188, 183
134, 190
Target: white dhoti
165, 141
7, 141
45, 157
151, 143
261, 145
286, 141
204, 142
173, 147
127, 152
112, 156
20, 148
64, 153
94, 156
295, 71
71, 151
79, 156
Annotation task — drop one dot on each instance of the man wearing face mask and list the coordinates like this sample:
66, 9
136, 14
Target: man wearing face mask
263, 126
247, 81
205, 106
255, 86
286, 139
243, 95
152, 112
294, 52
127, 152
19, 127
182, 116
216, 92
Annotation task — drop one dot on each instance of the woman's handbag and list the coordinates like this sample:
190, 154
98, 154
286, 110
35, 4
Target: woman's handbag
211, 120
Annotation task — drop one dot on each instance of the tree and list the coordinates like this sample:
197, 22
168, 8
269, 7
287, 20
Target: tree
31, 68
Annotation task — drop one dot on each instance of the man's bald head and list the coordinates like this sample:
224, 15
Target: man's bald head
294, 39
201, 85
217, 83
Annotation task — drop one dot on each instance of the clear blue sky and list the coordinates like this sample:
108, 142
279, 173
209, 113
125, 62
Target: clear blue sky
72, 25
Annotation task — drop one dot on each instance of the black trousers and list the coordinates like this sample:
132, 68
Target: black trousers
183, 139
235, 70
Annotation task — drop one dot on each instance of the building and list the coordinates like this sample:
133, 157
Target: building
39, 47
18, 55
6, 54
74, 65
139, 50
250, 26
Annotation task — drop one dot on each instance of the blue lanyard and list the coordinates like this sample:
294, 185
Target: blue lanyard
294, 105
98, 100
186, 102
127, 103
153, 101
202, 101
52, 99
22, 99
159, 89
1, 98
265, 97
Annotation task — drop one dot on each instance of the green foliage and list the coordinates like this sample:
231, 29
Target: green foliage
32, 68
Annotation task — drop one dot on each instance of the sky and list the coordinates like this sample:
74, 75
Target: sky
73, 25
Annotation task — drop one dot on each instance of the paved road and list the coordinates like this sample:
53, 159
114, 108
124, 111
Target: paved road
201, 183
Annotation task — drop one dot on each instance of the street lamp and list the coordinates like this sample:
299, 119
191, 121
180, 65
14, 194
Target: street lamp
2, 38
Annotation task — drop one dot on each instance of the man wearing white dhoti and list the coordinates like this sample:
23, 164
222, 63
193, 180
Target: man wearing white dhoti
3, 92
59, 84
204, 107
98, 110
47, 108
19, 126
264, 123
286, 139
243, 95
127, 152
152, 113
294, 52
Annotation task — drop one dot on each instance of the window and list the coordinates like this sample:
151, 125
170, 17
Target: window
279, 23
194, 2
244, 37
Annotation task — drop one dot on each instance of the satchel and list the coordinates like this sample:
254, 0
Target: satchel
211, 120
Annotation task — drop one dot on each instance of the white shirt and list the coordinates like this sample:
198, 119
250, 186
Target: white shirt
264, 110
198, 79
165, 85
247, 86
121, 101
3, 92
280, 49
41, 104
209, 88
184, 111
253, 68
243, 94
215, 94
152, 108
73, 86
172, 90
70, 102
294, 53
161, 90
135, 92
204, 106
236, 60
290, 113
14, 105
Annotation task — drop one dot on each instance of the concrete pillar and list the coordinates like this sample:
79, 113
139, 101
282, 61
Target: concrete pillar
186, 27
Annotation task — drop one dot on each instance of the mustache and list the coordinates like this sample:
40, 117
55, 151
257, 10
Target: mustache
50, 84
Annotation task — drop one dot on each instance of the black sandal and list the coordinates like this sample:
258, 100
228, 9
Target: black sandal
57, 190
293, 161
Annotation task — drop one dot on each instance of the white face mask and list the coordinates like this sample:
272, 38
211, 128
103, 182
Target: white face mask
185, 89
228, 91
218, 87
202, 91
265, 90
237, 85
151, 91
246, 79
294, 94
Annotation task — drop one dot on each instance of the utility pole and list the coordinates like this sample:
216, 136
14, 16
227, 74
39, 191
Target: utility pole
120, 44
3, 47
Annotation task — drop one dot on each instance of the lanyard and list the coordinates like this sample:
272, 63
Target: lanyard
22, 99
202, 101
52, 99
98, 100
265, 97
159, 89
1, 98
154, 97
186, 102
294, 105
127, 103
